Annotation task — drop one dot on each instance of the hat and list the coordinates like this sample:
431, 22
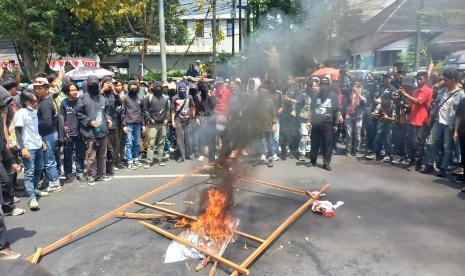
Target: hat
166, 84
40, 82
326, 79
107, 79
182, 86
92, 80
172, 86
198, 61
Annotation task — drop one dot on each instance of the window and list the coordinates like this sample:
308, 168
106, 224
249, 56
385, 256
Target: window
230, 27
386, 58
199, 28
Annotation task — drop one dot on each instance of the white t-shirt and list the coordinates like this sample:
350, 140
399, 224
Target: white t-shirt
445, 109
27, 119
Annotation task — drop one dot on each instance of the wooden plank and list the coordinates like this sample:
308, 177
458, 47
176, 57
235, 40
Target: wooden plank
279, 230
145, 216
51, 247
213, 271
275, 186
198, 248
36, 256
171, 212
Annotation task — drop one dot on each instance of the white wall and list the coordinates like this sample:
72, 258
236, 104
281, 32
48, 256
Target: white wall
225, 45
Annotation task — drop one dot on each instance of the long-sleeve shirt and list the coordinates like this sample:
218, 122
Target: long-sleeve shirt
88, 109
47, 115
68, 110
133, 111
325, 109
113, 103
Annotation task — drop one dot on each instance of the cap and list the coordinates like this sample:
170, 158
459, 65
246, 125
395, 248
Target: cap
326, 79
41, 82
182, 86
92, 80
198, 61
107, 79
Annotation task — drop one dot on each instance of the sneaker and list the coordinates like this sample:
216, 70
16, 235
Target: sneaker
180, 160
104, 178
162, 164
427, 169
41, 193
201, 158
442, 173
275, 157
328, 168
387, 158
91, 181
132, 166
301, 158
54, 189
6, 254
166, 157
460, 179
371, 156
68, 180
270, 162
396, 161
16, 199
80, 177
115, 169
138, 163
147, 165
15, 212
311, 164
33, 204
263, 157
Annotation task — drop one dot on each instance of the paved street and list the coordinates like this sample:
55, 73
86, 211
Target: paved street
393, 222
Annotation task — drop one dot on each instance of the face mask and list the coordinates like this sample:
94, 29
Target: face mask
182, 94
93, 89
157, 91
133, 90
325, 90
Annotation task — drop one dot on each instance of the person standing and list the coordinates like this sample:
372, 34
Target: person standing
182, 113
420, 100
73, 144
48, 126
459, 137
133, 122
324, 118
354, 118
95, 120
119, 148
113, 102
157, 114
443, 117
31, 146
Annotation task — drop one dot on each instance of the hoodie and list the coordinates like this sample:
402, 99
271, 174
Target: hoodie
252, 90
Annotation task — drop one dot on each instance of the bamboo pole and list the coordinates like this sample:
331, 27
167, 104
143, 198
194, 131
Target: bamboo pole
198, 248
51, 247
36, 256
213, 271
275, 186
278, 231
171, 212
145, 216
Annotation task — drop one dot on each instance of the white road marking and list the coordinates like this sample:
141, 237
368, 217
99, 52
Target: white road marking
155, 176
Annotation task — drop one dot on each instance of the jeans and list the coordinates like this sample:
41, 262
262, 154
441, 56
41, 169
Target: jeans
353, 133
416, 143
133, 142
74, 145
169, 139
276, 139
267, 144
399, 132
439, 138
33, 167
304, 144
156, 141
49, 159
383, 138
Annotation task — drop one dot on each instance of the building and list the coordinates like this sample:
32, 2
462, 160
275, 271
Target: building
380, 40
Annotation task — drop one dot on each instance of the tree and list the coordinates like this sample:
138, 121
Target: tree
29, 24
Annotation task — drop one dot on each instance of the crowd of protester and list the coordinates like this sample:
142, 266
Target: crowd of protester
86, 131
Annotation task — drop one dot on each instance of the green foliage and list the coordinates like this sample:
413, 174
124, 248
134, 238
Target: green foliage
171, 74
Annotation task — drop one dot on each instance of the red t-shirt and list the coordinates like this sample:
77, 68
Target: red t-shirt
223, 96
418, 112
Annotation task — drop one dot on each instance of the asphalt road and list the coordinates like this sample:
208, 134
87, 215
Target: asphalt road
393, 222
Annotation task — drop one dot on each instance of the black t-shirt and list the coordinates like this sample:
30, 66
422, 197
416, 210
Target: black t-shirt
69, 112
324, 109
461, 113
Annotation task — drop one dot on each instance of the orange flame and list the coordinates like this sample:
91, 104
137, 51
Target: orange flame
215, 222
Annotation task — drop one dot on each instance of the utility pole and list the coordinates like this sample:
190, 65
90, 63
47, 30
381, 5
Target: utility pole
214, 39
233, 27
161, 17
240, 25
418, 40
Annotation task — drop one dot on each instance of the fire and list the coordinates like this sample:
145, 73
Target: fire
215, 222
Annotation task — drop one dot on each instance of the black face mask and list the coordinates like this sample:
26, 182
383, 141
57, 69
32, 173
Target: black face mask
325, 90
157, 91
93, 89
182, 94
133, 91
